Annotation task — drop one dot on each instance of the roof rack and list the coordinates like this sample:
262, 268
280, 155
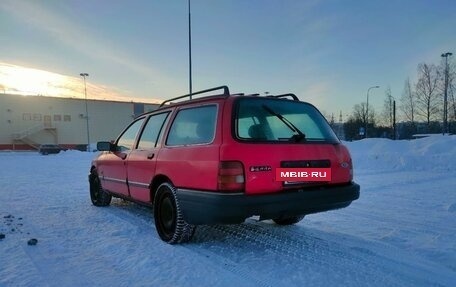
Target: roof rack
226, 92
293, 96
243, 94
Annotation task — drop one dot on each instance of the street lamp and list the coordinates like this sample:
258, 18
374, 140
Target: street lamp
445, 97
393, 115
367, 108
84, 75
189, 51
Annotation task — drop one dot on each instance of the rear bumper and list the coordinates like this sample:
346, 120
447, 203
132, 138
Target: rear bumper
200, 207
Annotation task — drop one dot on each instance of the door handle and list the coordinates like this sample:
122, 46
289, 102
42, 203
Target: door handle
150, 156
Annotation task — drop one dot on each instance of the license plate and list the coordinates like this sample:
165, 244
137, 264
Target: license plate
294, 175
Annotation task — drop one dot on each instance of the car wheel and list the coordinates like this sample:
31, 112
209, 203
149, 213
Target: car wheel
288, 220
98, 196
169, 221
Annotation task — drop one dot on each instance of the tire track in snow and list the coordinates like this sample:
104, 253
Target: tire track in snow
398, 179
401, 205
376, 251
252, 250
142, 217
313, 256
318, 255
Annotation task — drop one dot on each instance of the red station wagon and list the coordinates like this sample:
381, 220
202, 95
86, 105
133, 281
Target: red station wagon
223, 158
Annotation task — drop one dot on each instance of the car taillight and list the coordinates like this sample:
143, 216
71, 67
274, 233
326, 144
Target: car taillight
345, 159
231, 176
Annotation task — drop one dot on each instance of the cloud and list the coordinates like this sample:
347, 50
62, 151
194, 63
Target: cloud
76, 37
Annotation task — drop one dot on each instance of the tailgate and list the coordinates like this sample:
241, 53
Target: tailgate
262, 161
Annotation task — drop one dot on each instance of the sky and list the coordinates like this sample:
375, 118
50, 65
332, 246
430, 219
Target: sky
327, 52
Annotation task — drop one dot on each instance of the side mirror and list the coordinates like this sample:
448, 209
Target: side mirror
105, 146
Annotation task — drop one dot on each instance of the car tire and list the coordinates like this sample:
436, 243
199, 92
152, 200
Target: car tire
288, 220
169, 221
98, 196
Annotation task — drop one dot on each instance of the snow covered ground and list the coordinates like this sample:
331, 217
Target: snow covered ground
401, 232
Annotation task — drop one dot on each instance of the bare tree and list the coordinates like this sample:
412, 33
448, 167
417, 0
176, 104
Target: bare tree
453, 103
452, 87
360, 114
428, 98
408, 102
355, 122
449, 72
386, 117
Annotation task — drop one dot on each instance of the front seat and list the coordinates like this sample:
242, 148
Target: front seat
256, 132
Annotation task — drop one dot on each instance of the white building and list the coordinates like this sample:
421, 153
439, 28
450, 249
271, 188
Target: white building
28, 121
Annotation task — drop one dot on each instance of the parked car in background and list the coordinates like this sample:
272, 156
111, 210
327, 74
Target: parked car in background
46, 149
224, 158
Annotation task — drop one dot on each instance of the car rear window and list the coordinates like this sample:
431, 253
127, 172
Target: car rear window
278, 120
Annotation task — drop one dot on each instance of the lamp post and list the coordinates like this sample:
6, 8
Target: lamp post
445, 96
84, 75
367, 108
189, 51
393, 115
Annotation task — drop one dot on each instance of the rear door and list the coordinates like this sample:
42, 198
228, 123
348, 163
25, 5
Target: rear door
142, 160
190, 156
112, 166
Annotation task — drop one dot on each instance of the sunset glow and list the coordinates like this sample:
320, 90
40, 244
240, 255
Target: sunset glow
33, 82
19, 80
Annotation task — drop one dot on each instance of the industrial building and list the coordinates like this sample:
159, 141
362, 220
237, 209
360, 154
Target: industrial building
29, 121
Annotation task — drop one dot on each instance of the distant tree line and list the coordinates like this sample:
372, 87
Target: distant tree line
420, 108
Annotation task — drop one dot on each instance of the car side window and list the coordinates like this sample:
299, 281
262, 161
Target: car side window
151, 131
193, 126
127, 139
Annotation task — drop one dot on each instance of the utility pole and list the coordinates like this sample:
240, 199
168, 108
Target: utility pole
190, 50
84, 75
394, 119
445, 96
393, 114
367, 109
341, 127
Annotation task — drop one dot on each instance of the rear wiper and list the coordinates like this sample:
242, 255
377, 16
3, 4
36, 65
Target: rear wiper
300, 135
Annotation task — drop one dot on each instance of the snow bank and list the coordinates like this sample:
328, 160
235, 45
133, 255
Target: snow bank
437, 153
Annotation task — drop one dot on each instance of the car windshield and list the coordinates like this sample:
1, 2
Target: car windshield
266, 119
